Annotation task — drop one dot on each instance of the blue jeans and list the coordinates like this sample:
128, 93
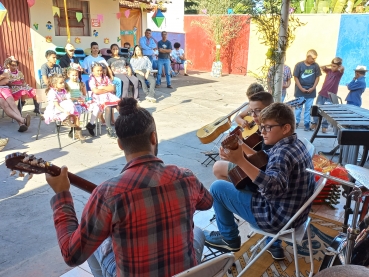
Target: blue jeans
308, 104
227, 200
167, 67
321, 100
155, 64
102, 261
118, 86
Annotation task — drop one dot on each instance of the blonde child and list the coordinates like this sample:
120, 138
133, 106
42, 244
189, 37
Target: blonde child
103, 94
60, 106
18, 86
78, 94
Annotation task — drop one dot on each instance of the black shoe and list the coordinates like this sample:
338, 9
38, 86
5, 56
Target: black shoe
90, 128
111, 133
276, 252
215, 240
70, 134
169, 86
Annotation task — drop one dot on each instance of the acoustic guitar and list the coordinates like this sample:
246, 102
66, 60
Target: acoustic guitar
29, 163
253, 127
210, 132
237, 176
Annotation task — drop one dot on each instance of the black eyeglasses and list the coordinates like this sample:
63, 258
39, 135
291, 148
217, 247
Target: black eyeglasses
268, 128
256, 112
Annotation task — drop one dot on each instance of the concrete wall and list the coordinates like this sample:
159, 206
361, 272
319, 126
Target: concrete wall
41, 12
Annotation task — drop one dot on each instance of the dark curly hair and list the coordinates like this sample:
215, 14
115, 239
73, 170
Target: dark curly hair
177, 45
134, 126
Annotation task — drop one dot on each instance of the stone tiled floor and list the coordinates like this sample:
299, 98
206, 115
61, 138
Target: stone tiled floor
202, 220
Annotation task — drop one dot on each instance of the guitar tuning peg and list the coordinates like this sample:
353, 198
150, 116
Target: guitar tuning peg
30, 176
21, 174
13, 172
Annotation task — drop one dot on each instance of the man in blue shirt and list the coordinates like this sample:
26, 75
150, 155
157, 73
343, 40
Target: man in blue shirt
165, 48
357, 86
148, 45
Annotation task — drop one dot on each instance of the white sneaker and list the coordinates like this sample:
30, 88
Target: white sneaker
151, 99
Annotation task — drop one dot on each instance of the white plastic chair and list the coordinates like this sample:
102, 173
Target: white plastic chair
290, 234
216, 267
309, 146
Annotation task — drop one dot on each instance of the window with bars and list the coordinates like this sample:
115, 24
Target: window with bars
76, 28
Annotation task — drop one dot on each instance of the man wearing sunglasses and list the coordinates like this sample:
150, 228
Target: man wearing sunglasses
69, 57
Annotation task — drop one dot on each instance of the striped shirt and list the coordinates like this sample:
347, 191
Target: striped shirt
141, 63
147, 210
284, 186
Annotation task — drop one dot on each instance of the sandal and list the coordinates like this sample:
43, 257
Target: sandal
22, 128
70, 121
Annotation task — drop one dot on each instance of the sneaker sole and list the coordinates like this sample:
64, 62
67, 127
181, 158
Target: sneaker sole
225, 249
275, 258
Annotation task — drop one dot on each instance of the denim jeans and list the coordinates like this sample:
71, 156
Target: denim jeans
102, 261
155, 64
308, 104
167, 67
227, 200
321, 100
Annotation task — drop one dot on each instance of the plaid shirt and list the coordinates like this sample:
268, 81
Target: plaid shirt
147, 210
284, 186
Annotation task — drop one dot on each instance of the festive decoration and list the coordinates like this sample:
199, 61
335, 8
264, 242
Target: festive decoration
95, 23
77, 40
95, 33
49, 26
158, 18
31, 3
118, 39
106, 40
119, 15
3, 13
230, 11
49, 39
142, 6
130, 32
100, 17
35, 25
126, 13
56, 10
204, 11
79, 16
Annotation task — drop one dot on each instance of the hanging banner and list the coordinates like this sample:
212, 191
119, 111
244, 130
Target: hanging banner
100, 17
142, 6
79, 16
56, 10
3, 13
126, 13
95, 23
119, 15
31, 3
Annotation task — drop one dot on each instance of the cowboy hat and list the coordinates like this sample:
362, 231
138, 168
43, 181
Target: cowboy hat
361, 68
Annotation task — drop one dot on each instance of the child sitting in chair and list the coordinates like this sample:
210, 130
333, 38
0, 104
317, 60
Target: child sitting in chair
178, 57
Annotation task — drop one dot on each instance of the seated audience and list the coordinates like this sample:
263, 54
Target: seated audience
178, 57
49, 68
139, 223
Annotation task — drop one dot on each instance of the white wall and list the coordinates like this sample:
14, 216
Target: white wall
174, 18
41, 12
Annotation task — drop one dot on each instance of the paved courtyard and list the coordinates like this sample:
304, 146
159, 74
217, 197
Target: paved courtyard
28, 245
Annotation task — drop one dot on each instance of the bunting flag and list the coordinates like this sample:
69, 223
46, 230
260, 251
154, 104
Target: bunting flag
158, 18
79, 16
119, 15
100, 17
126, 13
142, 6
31, 3
56, 10
3, 13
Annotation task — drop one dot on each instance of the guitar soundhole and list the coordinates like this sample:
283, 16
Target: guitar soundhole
252, 124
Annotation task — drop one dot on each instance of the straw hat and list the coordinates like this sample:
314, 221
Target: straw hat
69, 47
361, 68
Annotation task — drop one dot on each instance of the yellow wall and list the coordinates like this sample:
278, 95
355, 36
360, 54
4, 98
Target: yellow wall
41, 12
320, 33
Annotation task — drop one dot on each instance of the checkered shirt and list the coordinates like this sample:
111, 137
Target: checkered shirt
147, 210
284, 186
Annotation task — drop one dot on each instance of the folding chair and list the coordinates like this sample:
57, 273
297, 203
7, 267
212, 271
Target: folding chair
309, 146
334, 98
288, 233
216, 267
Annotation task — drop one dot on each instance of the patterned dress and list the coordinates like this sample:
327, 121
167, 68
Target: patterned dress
103, 100
63, 98
75, 92
17, 86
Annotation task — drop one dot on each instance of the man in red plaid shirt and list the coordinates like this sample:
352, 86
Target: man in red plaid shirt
139, 223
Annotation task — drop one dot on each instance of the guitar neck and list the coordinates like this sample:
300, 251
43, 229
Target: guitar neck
81, 183
233, 112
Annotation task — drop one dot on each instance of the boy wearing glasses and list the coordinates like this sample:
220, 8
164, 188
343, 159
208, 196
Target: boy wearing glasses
282, 188
257, 102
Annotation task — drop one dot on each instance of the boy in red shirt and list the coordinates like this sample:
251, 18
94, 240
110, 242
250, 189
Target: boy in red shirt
334, 73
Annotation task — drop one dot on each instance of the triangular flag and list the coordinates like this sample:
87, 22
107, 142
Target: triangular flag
158, 21
100, 17
31, 3
142, 6
126, 13
56, 10
3, 13
119, 15
79, 16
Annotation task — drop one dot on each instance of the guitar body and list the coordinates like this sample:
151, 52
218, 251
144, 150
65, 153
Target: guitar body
253, 140
210, 132
239, 178
253, 127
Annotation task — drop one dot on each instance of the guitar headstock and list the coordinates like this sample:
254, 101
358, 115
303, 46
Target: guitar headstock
25, 163
296, 102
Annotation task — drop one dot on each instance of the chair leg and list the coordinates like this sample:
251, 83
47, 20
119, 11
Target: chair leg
295, 253
39, 125
310, 251
57, 133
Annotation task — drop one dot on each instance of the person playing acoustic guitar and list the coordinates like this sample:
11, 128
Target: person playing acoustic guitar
283, 187
138, 223
257, 102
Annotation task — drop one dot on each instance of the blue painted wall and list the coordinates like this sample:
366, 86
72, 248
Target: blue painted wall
353, 44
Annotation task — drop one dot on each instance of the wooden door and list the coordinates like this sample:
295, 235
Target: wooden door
16, 41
